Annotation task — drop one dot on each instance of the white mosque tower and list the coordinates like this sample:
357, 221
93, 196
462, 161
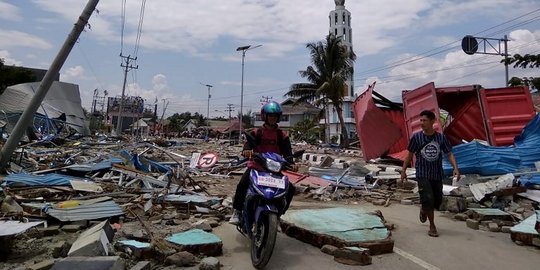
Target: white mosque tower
340, 26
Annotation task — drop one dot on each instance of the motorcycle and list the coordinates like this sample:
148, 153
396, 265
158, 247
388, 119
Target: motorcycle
265, 203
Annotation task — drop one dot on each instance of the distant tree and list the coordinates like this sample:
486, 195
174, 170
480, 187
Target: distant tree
524, 61
246, 119
11, 75
307, 130
332, 64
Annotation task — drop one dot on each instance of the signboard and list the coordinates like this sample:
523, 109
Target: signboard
207, 160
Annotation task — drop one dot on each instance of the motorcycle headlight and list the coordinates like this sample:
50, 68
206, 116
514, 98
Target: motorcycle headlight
273, 166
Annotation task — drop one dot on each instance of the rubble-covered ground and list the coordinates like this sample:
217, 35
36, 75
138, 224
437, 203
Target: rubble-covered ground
124, 199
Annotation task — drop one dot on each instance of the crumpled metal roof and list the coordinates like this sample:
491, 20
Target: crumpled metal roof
52, 179
86, 212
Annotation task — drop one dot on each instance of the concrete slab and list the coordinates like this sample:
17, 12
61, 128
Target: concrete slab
340, 227
90, 263
525, 231
90, 245
197, 241
481, 214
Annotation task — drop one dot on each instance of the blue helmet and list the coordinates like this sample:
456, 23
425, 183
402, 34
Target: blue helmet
271, 108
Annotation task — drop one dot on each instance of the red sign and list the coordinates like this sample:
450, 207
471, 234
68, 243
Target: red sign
207, 160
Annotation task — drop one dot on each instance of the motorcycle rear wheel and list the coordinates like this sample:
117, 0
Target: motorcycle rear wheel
264, 239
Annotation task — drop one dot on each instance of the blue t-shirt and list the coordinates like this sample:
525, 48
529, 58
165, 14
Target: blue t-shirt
428, 151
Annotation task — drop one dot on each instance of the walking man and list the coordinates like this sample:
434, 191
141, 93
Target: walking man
428, 146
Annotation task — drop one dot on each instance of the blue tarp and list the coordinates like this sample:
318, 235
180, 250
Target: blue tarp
475, 158
530, 180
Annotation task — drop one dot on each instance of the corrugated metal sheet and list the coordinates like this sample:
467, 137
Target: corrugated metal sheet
376, 132
506, 112
528, 143
398, 118
416, 101
467, 123
53, 179
86, 212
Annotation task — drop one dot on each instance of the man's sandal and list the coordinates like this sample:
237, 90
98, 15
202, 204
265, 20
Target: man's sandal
433, 233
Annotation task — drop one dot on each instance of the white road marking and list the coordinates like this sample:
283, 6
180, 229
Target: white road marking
415, 259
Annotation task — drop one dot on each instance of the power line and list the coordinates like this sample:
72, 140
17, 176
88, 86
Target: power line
123, 23
139, 28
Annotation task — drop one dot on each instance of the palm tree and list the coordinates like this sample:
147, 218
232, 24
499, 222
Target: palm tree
332, 64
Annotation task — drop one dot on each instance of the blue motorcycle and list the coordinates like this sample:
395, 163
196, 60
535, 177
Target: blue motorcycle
265, 202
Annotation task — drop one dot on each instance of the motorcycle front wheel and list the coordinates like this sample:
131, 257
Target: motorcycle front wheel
264, 239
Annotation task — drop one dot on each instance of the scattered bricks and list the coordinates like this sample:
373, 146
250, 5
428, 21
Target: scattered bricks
60, 249
494, 227
506, 229
329, 249
203, 226
461, 217
144, 265
352, 256
213, 223
44, 265
71, 228
473, 224
104, 262
182, 259
407, 202
485, 223
379, 202
50, 231
210, 263
455, 204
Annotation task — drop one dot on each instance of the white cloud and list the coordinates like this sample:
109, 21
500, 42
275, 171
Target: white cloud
8, 60
9, 12
73, 73
12, 39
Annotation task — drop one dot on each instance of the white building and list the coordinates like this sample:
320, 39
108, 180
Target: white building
340, 26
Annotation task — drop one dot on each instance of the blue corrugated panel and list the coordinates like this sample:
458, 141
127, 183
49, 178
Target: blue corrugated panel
528, 143
490, 160
24, 179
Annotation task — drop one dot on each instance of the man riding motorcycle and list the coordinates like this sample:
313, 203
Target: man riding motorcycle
268, 138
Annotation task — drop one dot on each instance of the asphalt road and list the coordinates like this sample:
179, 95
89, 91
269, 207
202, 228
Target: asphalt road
458, 247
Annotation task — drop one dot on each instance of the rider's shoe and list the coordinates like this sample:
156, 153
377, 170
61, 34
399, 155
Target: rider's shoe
235, 219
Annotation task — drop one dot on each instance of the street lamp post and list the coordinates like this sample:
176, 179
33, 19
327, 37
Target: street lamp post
208, 109
243, 49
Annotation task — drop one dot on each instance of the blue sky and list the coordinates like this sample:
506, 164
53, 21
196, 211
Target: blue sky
399, 44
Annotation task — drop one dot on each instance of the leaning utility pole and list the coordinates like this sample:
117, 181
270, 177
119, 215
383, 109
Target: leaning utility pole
127, 67
26, 118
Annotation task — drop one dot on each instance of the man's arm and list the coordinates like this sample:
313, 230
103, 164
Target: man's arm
406, 164
452, 160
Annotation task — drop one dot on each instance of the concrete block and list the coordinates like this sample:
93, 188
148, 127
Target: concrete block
90, 263
210, 263
461, 217
329, 249
353, 256
50, 231
494, 227
144, 265
473, 224
60, 249
105, 226
536, 242
407, 202
181, 259
506, 229
90, 245
44, 265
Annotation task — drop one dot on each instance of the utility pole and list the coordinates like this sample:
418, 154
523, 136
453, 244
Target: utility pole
127, 67
26, 118
207, 109
230, 108
265, 99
